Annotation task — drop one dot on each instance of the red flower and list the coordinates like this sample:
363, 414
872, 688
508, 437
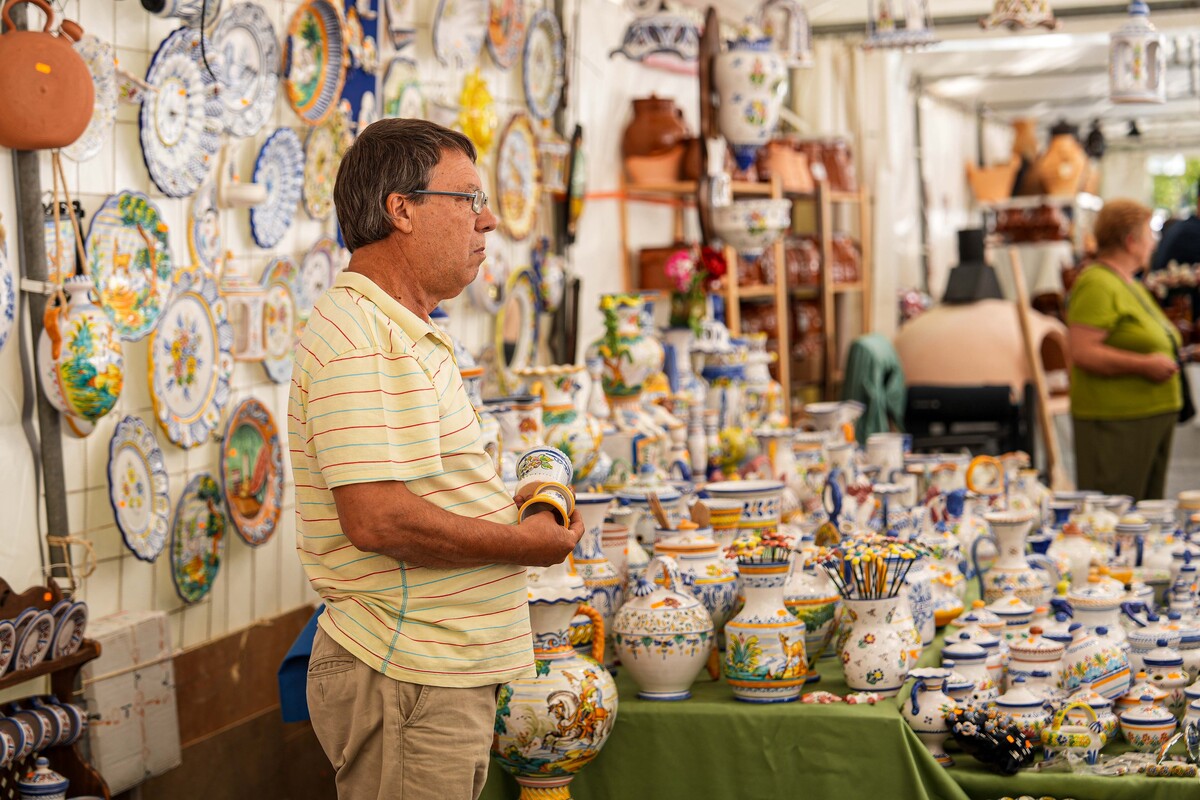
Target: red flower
714, 262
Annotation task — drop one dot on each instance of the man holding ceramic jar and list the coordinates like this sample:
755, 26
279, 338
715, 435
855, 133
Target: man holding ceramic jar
403, 526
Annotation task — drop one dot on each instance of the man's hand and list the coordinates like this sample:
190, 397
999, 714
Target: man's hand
525, 491
549, 541
1159, 367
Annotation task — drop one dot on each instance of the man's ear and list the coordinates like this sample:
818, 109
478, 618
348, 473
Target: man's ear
398, 207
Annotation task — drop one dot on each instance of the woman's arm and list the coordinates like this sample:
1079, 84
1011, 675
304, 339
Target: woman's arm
1090, 353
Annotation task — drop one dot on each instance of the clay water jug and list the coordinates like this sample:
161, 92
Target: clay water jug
657, 125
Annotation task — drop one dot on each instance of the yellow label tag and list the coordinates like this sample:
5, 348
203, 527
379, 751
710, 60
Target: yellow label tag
42, 68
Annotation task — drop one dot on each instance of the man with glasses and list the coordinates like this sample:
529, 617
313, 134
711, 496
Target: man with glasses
403, 526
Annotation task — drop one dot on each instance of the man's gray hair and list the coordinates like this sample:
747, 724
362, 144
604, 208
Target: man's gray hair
392, 156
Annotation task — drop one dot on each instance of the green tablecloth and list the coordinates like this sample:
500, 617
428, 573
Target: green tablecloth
713, 747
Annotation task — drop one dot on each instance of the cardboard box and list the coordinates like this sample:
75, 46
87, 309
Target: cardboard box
133, 726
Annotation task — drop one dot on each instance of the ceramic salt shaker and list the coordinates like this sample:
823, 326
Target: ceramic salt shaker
1164, 666
42, 783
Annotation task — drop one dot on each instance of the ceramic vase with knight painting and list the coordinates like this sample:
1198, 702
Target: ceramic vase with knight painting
751, 79
813, 599
577, 434
550, 726
598, 573
765, 660
878, 644
1012, 571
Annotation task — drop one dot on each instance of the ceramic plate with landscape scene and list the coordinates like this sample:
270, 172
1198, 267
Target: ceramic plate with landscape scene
252, 472
129, 259
197, 538
191, 360
315, 60
138, 488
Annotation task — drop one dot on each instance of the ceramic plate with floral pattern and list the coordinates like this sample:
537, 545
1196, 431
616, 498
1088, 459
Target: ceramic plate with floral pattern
182, 121
279, 317
68, 636
129, 259
543, 65
197, 538
252, 472
315, 60
320, 165
191, 359
138, 488
401, 88
101, 62
204, 230
518, 186
34, 641
8, 292
506, 31
280, 166
249, 75
459, 28
317, 273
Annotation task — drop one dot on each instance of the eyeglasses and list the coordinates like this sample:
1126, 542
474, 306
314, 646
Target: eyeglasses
479, 198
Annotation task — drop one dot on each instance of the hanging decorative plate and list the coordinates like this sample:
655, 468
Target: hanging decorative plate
368, 111
129, 259
138, 488
517, 177
315, 60
101, 62
279, 317
249, 77
320, 163
8, 292
402, 29
181, 122
252, 472
459, 28
402, 90
477, 111
191, 359
8, 644
487, 290
280, 166
34, 641
317, 273
197, 538
69, 633
506, 31
543, 65
204, 230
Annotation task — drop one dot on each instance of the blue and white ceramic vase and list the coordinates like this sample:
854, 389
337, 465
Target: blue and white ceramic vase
599, 575
765, 661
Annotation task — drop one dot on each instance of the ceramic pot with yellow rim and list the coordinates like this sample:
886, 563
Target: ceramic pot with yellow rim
765, 660
553, 497
575, 433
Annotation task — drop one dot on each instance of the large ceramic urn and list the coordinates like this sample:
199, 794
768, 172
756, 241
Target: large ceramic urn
552, 725
751, 80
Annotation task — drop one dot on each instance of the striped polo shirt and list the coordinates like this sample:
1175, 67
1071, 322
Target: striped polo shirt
376, 396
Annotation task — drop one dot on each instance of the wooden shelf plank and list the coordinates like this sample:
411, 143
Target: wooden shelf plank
841, 288
86, 652
805, 292
756, 292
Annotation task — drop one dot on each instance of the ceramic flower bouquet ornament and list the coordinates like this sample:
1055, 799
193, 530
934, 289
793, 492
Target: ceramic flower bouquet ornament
691, 273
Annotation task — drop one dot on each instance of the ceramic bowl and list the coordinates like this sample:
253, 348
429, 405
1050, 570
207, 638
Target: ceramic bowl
751, 226
545, 464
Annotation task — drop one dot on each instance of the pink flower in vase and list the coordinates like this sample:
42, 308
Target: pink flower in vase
680, 269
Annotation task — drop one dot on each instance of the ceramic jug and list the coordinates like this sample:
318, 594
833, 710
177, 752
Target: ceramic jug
80, 359
663, 634
926, 710
751, 80
1013, 570
703, 570
574, 432
878, 644
765, 660
657, 125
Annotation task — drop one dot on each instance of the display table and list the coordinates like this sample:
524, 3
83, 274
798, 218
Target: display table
713, 747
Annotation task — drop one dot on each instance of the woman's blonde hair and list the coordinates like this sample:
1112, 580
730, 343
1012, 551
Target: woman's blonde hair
1118, 220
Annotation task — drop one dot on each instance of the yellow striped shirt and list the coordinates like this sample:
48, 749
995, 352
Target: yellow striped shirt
377, 396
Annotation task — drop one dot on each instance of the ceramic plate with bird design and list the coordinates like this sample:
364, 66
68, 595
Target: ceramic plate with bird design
249, 50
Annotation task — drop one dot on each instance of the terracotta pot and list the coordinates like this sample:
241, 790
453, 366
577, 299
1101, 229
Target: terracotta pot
661, 167
992, 184
48, 92
781, 157
657, 125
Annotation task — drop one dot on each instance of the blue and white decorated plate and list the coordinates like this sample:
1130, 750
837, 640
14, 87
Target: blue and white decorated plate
318, 271
191, 360
101, 62
459, 28
279, 281
315, 60
8, 291
138, 488
197, 538
249, 76
506, 31
182, 120
543, 65
280, 166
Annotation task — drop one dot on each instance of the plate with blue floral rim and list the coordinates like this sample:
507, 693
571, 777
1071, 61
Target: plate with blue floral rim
252, 472
8, 291
280, 167
34, 642
68, 636
280, 324
542, 65
315, 60
506, 31
245, 40
318, 271
129, 258
459, 29
102, 64
181, 122
197, 538
191, 361
138, 488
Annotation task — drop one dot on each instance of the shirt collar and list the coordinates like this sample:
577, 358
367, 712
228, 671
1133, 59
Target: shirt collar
412, 325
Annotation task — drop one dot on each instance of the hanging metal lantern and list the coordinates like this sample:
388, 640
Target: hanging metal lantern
888, 29
1137, 60
1014, 14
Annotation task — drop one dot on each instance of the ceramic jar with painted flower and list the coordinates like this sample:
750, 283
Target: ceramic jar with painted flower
663, 634
79, 357
878, 644
1096, 605
765, 661
42, 783
703, 570
1016, 614
1164, 668
926, 709
813, 599
1032, 653
1029, 711
751, 79
1148, 726
1095, 659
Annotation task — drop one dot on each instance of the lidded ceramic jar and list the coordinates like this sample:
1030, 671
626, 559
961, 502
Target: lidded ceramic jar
1143, 640
42, 783
958, 686
926, 709
663, 634
1189, 643
1059, 629
1034, 652
1028, 710
1164, 666
1095, 659
1141, 689
1147, 727
702, 568
985, 619
1016, 614
1097, 605
970, 660
1043, 683
972, 632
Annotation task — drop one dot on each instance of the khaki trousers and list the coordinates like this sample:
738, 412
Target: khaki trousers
391, 740
1124, 456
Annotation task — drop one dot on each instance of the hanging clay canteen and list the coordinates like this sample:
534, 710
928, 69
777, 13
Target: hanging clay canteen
48, 92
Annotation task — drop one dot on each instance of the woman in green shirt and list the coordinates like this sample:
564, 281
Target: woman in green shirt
1125, 390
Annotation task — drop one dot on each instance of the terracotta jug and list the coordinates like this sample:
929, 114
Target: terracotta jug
657, 125
48, 93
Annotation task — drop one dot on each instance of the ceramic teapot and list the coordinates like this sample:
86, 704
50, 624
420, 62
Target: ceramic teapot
48, 94
1027, 709
1083, 740
1101, 707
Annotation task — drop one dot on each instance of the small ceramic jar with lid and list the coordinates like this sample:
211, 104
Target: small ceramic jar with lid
1192, 714
1059, 629
1034, 652
1029, 711
970, 660
1142, 640
1164, 666
1142, 688
1101, 705
976, 634
1189, 643
958, 686
1042, 683
1098, 605
1016, 613
42, 783
980, 615
1147, 727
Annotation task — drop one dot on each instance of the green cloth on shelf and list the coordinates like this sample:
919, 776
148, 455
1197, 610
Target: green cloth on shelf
875, 378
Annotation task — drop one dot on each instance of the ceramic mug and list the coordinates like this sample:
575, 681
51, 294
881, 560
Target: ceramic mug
546, 465
550, 496
64, 722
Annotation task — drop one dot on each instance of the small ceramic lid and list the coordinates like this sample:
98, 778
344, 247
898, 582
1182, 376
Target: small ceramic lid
1146, 713
1009, 605
1019, 698
975, 634
1147, 638
964, 651
980, 614
1095, 595
690, 538
648, 595
1086, 694
1142, 687
1059, 630
1162, 656
1036, 646
42, 781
